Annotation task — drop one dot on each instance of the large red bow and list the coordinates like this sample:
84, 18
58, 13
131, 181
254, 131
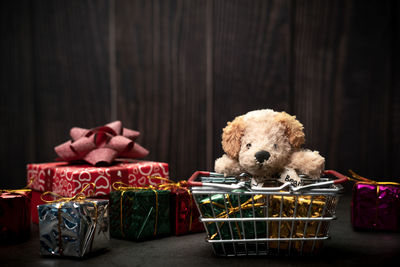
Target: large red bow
101, 144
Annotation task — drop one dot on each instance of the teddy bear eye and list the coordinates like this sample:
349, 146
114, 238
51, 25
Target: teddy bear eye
248, 145
275, 146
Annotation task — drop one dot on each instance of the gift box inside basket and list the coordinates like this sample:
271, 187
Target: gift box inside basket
73, 226
103, 156
375, 205
15, 215
273, 220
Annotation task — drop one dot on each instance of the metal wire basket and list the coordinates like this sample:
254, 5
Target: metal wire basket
278, 219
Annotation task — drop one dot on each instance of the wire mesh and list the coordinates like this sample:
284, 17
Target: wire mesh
245, 222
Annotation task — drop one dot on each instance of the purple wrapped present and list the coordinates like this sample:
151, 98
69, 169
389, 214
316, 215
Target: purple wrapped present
375, 205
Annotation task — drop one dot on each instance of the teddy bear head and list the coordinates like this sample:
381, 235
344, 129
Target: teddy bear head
262, 140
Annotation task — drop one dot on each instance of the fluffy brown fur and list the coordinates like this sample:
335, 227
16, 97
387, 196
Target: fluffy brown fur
231, 136
294, 129
277, 133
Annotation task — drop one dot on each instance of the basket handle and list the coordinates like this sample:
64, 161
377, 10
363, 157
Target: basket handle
192, 180
340, 177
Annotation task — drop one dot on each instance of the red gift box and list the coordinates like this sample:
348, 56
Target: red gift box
67, 180
36, 201
15, 216
184, 213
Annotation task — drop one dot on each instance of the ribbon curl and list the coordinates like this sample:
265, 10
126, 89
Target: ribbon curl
101, 144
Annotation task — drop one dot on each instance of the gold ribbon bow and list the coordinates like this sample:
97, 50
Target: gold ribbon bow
80, 196
359, 179
122, 187
248, 204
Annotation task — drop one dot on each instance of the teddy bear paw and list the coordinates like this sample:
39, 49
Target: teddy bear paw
227, 166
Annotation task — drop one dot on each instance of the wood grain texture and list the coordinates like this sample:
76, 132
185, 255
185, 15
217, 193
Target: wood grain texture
250, 60
363, 128
161, 73
72, 86
341, 81
394, 115
17, 129
179, 70
319, 45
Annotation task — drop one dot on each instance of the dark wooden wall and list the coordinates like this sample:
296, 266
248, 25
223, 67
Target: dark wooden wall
178, 70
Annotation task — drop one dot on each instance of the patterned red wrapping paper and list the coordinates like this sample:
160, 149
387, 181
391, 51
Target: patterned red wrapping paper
376, 207
184, 213
15, 216
67, 180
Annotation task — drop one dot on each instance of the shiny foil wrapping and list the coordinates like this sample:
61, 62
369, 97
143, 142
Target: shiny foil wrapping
73, 228
15, 216
304, 208
376, 207
277, 206
140, 214
184, 213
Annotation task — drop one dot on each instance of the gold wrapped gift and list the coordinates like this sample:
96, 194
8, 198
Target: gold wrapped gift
282, 229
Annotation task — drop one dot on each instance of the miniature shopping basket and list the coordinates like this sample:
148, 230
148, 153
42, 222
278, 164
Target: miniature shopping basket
277, 219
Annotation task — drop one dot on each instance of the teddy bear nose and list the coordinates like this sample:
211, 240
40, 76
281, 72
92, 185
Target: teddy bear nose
262, 155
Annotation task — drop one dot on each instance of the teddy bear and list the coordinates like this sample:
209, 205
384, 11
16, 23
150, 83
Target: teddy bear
266, 144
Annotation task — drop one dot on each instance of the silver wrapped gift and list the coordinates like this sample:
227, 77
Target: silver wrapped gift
73, 228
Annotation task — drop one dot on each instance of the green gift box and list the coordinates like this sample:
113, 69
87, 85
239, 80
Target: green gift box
227, 206
139, 214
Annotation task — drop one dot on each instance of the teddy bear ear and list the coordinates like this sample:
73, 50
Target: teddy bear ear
294, 128
231, 137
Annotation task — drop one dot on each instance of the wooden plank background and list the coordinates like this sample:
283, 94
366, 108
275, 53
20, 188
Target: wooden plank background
179, 70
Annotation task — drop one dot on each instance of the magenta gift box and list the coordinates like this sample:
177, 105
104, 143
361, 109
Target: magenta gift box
376, 206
